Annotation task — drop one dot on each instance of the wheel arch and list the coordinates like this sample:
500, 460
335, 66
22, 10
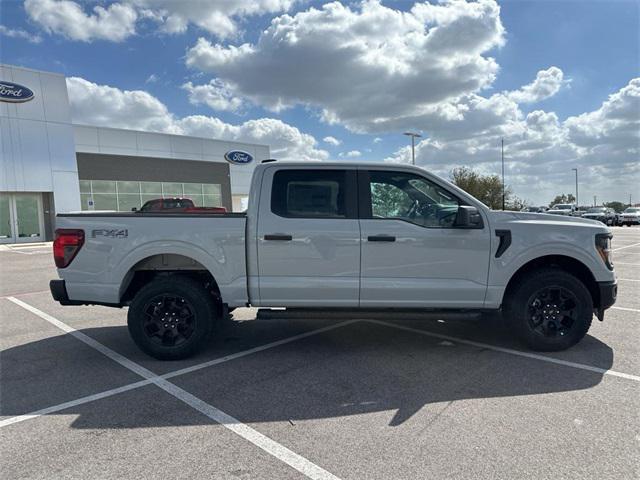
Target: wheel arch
562, 262
157, 265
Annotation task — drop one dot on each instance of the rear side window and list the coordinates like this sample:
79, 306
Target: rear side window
310, 194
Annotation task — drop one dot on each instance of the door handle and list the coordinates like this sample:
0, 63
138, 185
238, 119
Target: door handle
278, 236
381, 238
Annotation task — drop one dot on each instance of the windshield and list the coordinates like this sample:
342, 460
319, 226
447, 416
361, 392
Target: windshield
596, 210
562, 207
632, 210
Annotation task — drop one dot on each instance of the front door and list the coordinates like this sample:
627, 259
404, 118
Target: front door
412, 253
21, 218
308, 238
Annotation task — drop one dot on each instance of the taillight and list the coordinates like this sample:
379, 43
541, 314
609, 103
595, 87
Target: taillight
67, 245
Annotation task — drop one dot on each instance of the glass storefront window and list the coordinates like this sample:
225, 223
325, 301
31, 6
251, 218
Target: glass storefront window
127, 201
211, 189
192, 189
105, 201
85, 186
172, 189
212, 201
125, 195
152, 188
28, 215
103, 186
128, 187
5, 216
84, 199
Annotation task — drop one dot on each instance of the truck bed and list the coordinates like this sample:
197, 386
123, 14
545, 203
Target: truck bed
117, 244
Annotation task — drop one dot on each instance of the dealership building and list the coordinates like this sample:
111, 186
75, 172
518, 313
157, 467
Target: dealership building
50, 165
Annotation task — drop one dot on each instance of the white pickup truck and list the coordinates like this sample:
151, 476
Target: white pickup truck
337, 236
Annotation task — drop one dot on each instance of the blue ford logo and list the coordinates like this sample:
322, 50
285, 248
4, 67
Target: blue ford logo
12, 92
238, 157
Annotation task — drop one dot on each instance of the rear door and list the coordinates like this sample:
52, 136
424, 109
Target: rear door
308, 238
412, 253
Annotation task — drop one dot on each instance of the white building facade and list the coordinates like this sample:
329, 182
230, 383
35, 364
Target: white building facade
48, 165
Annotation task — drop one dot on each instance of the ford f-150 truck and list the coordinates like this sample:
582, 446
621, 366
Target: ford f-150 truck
337, 236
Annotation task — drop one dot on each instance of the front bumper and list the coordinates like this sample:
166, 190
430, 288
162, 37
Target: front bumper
608, 293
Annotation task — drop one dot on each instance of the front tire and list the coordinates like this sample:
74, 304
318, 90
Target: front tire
172, 317
551, 310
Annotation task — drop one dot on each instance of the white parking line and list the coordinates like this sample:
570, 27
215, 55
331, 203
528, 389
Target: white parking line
626, 246
626, 309
626, 263
519, 353
175, 373
628, 280
282, 453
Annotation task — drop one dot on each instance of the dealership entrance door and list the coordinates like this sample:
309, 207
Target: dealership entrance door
21, 218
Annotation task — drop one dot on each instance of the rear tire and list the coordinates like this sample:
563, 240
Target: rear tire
550, 310
172, 317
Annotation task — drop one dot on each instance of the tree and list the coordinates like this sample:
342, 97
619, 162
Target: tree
617, 206
486, 188
564, 198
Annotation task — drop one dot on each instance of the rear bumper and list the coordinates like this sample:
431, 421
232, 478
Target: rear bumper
60, 295
59, 292
608, 294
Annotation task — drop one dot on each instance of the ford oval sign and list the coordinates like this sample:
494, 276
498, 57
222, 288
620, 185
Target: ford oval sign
12, 92
238, 157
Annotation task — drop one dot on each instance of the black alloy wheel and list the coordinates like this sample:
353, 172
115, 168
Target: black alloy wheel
549, 309
169, 320
552, 311
172, 317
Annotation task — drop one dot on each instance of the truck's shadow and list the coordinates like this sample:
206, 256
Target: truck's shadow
355, 369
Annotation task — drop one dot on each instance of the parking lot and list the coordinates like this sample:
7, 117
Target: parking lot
432, 397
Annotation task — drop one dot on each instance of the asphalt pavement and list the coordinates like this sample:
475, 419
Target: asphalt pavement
384, 398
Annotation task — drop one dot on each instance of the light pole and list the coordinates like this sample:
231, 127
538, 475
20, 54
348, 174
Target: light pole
502, 155
577, 203
413, 145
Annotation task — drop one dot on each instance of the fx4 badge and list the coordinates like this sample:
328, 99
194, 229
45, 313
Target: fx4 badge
115, 233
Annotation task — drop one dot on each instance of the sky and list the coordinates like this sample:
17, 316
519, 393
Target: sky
559, 81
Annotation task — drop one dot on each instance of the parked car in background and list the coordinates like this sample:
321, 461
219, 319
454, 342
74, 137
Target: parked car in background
602, 214
631, 216
176, 205
534, 209
567, 209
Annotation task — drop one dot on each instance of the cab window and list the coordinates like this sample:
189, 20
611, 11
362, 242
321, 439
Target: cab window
411, 198
310, 194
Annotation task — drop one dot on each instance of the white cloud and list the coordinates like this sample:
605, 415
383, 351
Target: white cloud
153, 78
65, 17
351, 154
547, 84
219, 18
118, 20
20, 33
103, 105
540, 149
216, 94
377, 140
369, 67
332, 141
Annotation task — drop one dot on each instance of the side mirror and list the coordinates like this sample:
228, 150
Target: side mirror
468, 217
134, 209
